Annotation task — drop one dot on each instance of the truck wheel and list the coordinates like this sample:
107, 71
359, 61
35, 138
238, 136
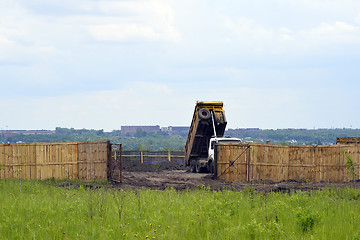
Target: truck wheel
204, 114
199, 169
193, 166
211, 167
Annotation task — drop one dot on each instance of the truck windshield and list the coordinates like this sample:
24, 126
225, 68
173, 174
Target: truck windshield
225, 141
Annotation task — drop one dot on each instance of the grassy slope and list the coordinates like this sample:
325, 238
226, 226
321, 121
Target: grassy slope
40, 210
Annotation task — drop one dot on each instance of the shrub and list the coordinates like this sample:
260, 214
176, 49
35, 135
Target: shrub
306, 220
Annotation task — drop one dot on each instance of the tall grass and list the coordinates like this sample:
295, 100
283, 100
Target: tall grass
41, 210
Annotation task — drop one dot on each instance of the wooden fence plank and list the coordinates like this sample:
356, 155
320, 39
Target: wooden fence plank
87, 161
26, 154
32, 161
73, 152
61, 158
82, 162
88, 149
103, 156
64, 155
10, 160
2, 162
277, 162
16, 161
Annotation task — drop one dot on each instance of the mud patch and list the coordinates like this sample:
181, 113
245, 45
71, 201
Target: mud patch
131, 166
185, 180
175, 175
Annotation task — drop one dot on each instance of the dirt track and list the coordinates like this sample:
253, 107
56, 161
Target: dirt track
174, 175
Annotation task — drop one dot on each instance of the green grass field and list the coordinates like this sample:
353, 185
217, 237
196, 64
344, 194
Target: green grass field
41, 210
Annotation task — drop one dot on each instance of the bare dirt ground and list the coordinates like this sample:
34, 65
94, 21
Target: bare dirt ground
174, 175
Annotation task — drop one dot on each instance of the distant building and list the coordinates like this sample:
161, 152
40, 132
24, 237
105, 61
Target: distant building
9, 133
178, 130
132, 130
171, 130
242, 130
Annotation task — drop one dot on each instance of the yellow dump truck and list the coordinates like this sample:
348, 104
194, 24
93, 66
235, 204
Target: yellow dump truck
207, 128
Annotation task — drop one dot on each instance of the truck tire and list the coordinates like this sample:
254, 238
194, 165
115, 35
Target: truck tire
211, 167
193, 166
204, 114
198, 167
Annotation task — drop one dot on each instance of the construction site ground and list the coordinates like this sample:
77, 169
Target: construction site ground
175, 175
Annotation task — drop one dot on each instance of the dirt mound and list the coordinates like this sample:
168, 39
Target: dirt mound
185, 180
163, 175
130, 166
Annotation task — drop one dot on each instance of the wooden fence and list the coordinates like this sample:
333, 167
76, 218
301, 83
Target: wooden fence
252, 161
152, 157
72, 160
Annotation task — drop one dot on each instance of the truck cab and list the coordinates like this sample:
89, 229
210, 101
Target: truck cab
210, 161
221, 140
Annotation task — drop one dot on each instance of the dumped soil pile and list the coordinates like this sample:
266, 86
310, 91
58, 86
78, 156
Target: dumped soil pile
176, 175
185, 180
131, 166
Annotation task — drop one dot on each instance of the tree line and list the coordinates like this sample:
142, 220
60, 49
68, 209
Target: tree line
149, 141
295, 136
162, 141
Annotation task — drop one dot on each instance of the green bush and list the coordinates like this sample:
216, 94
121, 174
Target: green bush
306, 220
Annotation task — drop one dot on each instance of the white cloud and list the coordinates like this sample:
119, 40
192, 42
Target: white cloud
147, 7
138, 103
193, 50
248, 31
122, 32
286, 34
330, 4
339, 32
4, 42
135, 21
28, 33
252, 36
27, 38
7, 42
135, 92
340, 37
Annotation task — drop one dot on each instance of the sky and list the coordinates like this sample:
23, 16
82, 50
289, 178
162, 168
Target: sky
106, 64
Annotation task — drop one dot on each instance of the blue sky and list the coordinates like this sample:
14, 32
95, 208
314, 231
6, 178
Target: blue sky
104, 64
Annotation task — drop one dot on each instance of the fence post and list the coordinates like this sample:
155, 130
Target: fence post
112, 165
120, 165
141, 157
169, 156
248, 158
109, 161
